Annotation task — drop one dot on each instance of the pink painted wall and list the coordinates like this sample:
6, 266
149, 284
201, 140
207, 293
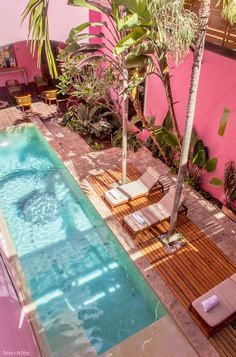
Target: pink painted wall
16, 335
24, 59
62, 18
217, 89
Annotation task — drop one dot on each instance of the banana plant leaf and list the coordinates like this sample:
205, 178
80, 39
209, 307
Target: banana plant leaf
211, 164
127, 22
169, 138
133, 61
146, 48
151, 121
135, 119
167, 122
200, 158
134, 82
135, 36
197, 147
78, 29
89, 60
87, 36
85, 48
91, 5
138, 7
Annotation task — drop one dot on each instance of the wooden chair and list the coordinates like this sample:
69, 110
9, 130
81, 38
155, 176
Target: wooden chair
13, 87
41, 83
24, 101
50, 96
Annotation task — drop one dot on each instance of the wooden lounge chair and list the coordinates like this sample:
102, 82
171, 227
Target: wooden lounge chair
151, 215
135, 189
222, 313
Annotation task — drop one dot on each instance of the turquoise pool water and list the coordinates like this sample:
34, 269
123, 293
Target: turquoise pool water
83, 283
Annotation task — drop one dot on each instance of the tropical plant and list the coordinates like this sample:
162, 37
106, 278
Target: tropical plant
136, 37
88, 82
132, 141
90, 121
97, 146
230, 184
199, 164
229, 11
37, 10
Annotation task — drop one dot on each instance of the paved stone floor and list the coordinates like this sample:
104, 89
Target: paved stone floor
219, 228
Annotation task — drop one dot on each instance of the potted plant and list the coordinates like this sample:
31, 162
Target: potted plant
230, 190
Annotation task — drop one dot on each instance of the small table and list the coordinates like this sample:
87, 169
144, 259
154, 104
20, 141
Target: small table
22, 70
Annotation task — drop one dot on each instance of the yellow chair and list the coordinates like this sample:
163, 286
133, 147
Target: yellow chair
50, 96
24, 101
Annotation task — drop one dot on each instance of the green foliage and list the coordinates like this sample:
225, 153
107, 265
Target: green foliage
134, 37
97, 146
89, 120
229, 11
175, 26
211, 164
138, 7
166, 136
89, 81
199, 162
37, 10
132, 141
230, 183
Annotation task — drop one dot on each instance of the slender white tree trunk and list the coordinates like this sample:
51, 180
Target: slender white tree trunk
125, 114
204, 13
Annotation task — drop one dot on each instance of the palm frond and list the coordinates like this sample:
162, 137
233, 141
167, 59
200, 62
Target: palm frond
229, 11
38, 32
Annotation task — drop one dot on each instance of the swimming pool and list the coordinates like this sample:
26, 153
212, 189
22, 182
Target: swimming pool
87, 291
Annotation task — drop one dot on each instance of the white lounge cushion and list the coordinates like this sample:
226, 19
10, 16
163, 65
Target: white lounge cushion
226, 293
154, 213
134, 189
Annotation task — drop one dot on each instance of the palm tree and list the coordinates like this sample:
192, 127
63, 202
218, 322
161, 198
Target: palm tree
229, 13
204, 13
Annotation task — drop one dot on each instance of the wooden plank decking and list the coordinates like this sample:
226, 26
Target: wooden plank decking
189, 272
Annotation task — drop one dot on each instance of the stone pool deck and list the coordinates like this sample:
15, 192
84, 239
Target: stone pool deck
79, 158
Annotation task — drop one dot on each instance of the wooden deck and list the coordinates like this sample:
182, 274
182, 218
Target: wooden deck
189, 272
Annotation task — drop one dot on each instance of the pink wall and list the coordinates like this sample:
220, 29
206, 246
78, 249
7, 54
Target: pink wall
16, 336
217, 89
62, 18
24, 59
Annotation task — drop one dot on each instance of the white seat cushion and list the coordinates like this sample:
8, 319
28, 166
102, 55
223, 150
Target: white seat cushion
226, 293
127, 192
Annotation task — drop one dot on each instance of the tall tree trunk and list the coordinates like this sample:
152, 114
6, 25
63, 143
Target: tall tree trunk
125, 114
204, 13
125, 111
